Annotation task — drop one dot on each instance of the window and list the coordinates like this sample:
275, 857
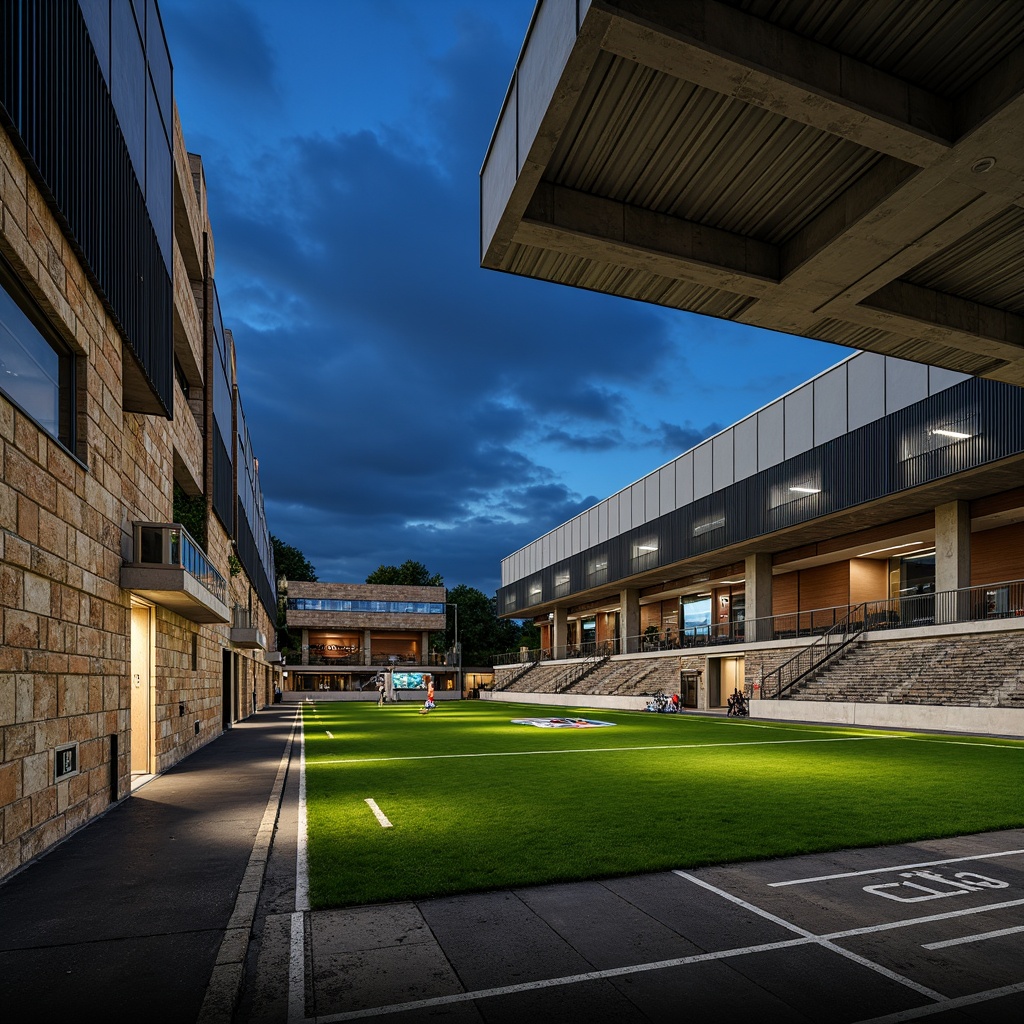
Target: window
644, 554
597, 570
37, 370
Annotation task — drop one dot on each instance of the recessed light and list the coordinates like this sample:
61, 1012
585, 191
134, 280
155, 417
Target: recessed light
895, 547
984, 165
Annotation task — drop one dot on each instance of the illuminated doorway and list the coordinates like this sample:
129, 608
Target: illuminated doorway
724, 676
141, 689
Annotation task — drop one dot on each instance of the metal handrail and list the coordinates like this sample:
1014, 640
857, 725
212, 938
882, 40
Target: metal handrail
575, 673
985, 601
809, 659
172, 544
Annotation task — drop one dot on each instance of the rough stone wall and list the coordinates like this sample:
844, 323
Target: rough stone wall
65, 530
64, 617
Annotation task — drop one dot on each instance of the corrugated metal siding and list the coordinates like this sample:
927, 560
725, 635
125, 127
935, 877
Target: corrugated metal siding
650, 140
877, 460
939, 45
985, 266
531, 261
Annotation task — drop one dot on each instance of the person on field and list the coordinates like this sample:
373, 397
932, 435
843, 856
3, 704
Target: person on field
429, 703
380, 693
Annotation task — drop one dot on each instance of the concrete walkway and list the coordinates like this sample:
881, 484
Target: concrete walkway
179, 905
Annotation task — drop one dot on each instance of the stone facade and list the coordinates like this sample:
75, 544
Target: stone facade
66, 530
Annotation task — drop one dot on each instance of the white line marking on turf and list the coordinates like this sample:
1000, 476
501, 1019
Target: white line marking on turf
820, 940
378, 813
301, 849
950, 1004
895, 867
599, 750
973, 938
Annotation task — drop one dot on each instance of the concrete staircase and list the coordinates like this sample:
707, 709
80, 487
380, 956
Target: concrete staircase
983, 670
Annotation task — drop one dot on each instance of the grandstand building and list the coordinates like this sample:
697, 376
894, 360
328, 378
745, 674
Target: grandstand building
845, 172
880, 499
137, 596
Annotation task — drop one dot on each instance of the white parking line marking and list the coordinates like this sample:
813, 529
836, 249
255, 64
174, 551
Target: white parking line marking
821, 940
973, 938
950, 1004
297, 971
378, 813
572, 979
895, 867
871, 929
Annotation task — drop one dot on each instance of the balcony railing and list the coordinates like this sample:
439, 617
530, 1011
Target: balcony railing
244, 631
171, 570
990, 601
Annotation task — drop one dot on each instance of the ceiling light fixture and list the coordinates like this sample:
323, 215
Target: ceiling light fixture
894, 547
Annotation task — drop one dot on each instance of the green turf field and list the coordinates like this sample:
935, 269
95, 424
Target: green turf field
476, 802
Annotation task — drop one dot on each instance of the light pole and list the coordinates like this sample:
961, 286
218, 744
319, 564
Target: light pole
456, 649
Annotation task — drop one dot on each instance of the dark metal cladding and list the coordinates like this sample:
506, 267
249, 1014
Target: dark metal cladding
897, 453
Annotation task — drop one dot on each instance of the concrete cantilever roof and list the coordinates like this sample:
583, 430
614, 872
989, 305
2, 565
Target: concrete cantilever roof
850, 171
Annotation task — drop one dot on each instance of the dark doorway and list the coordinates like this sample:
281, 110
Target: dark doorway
227, 704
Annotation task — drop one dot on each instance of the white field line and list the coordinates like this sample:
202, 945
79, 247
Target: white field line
818, 939
599, 750
964, 743
378, 813
302, 850
895, 867
973, 938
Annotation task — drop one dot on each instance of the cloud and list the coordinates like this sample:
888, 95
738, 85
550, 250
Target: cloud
403, 402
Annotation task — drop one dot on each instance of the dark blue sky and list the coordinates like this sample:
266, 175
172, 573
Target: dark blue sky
404, 403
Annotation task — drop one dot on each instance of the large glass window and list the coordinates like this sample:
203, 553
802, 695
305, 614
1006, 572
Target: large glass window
36, 368
323, 604
696, 611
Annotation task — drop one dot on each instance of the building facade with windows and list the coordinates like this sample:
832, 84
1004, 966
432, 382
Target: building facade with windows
355, 635
881, 489
138, 595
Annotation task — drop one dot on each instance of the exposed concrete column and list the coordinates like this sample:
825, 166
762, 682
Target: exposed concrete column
559, 632
305, 647
629, 621
424, 648
367, 653
952, 556
758, 588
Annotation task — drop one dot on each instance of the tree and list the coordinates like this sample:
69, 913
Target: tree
482, 634
290, 563
408, 574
